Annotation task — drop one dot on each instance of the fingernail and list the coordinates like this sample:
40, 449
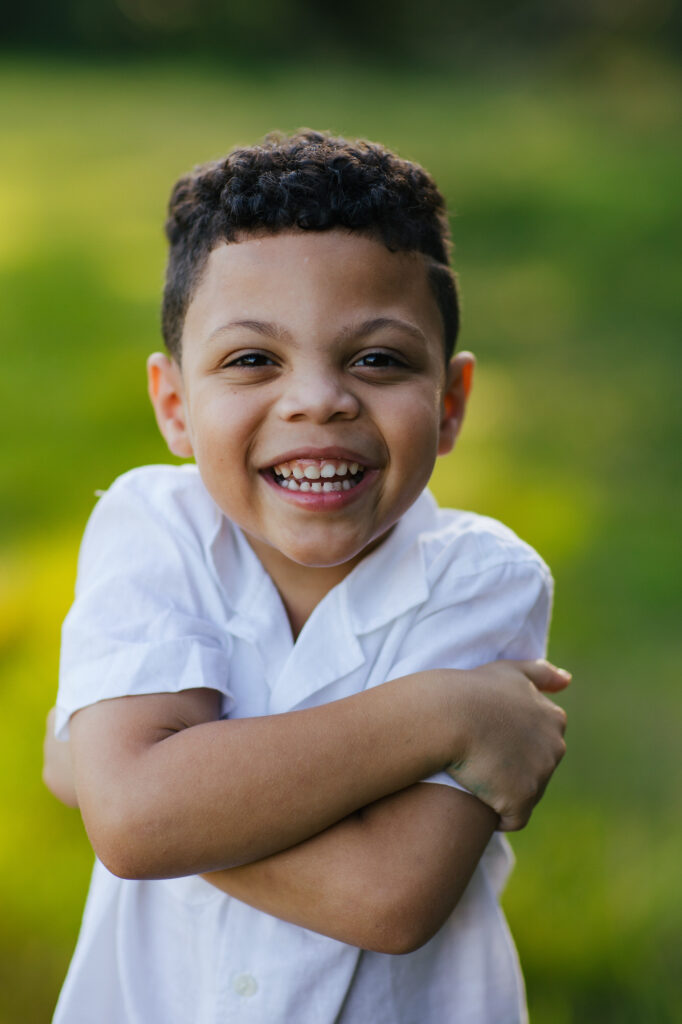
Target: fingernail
565, 674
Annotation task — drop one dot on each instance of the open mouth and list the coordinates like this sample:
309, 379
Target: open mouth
320, 475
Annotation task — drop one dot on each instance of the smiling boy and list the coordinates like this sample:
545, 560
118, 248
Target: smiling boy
233, 623
336, 366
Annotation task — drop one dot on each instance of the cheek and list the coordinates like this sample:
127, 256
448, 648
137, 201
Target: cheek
414, 429
226, 432
217, 421
215, 449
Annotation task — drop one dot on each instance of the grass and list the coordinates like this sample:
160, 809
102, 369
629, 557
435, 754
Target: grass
565, 194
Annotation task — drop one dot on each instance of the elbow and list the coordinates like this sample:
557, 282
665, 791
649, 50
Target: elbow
125, 859
60, 787
124, 863
406, 935
403, 923
125, 846
120, 856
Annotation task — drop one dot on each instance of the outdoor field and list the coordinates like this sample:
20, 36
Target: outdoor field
565, 194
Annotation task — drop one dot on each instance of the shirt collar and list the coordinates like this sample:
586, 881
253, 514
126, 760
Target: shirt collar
398, 563
251, 597
398, 566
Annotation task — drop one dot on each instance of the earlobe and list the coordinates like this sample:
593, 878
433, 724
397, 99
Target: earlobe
164, 379
458, 385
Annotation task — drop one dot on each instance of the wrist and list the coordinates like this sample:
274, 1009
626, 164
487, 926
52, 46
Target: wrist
460, 715
449, 713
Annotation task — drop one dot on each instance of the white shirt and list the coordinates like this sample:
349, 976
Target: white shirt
171, 596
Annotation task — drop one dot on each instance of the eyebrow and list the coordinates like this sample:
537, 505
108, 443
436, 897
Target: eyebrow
262, 327
378, 323
268, 329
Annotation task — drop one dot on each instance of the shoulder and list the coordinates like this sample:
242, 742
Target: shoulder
148, 513
175, 493
171, 497
470, 551
474, 543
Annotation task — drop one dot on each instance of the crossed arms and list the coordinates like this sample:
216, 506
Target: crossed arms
318, 816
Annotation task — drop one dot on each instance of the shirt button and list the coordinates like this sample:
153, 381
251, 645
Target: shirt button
245, 985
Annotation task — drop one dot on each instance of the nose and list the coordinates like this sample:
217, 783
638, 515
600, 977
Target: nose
319, 395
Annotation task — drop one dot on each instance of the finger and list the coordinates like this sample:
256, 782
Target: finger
558, 715
545, 676
555, 710
513, 822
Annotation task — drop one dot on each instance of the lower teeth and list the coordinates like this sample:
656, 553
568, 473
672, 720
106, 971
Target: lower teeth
326, 486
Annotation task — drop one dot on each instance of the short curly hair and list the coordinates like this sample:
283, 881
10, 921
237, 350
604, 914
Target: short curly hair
311, 181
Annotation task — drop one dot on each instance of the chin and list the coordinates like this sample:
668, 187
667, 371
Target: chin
322, 561
324, 556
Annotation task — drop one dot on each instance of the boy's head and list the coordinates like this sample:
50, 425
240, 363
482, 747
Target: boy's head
312, 182
309, 291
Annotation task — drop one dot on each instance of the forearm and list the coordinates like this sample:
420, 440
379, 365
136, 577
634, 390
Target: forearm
371, 880
159, 803
386, 878
166, 790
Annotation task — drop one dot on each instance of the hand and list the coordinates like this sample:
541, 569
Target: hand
512, 738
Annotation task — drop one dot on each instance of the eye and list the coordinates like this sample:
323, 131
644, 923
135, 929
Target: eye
380, 360
250, 360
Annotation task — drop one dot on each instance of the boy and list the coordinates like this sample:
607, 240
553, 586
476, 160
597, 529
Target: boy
233, 620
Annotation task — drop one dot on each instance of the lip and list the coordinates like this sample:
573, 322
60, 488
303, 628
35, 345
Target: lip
337, 453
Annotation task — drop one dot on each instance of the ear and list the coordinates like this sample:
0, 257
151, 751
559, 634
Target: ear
459, 378
164, 380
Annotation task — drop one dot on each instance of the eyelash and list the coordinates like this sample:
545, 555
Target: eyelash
377, 360
383, 360
251, 360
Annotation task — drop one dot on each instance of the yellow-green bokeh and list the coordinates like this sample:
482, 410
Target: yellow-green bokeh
565, 192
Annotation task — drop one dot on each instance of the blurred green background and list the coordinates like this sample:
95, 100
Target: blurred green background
556, 142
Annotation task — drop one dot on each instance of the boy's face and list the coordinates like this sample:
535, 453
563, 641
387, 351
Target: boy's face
313, 391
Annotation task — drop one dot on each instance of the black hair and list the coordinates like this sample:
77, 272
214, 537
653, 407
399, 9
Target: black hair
315, 182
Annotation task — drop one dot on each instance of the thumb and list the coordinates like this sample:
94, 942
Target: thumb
545, 676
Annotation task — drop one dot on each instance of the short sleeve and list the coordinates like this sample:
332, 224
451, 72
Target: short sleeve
498, 612
146, 615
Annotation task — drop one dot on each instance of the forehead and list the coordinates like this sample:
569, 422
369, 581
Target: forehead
317, 280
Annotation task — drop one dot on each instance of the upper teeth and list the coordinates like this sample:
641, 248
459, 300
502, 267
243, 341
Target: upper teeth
313, 469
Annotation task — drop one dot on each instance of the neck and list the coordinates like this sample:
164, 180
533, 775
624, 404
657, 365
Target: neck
302, 587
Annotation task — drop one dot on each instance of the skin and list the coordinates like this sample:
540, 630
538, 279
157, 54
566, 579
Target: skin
316, 345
